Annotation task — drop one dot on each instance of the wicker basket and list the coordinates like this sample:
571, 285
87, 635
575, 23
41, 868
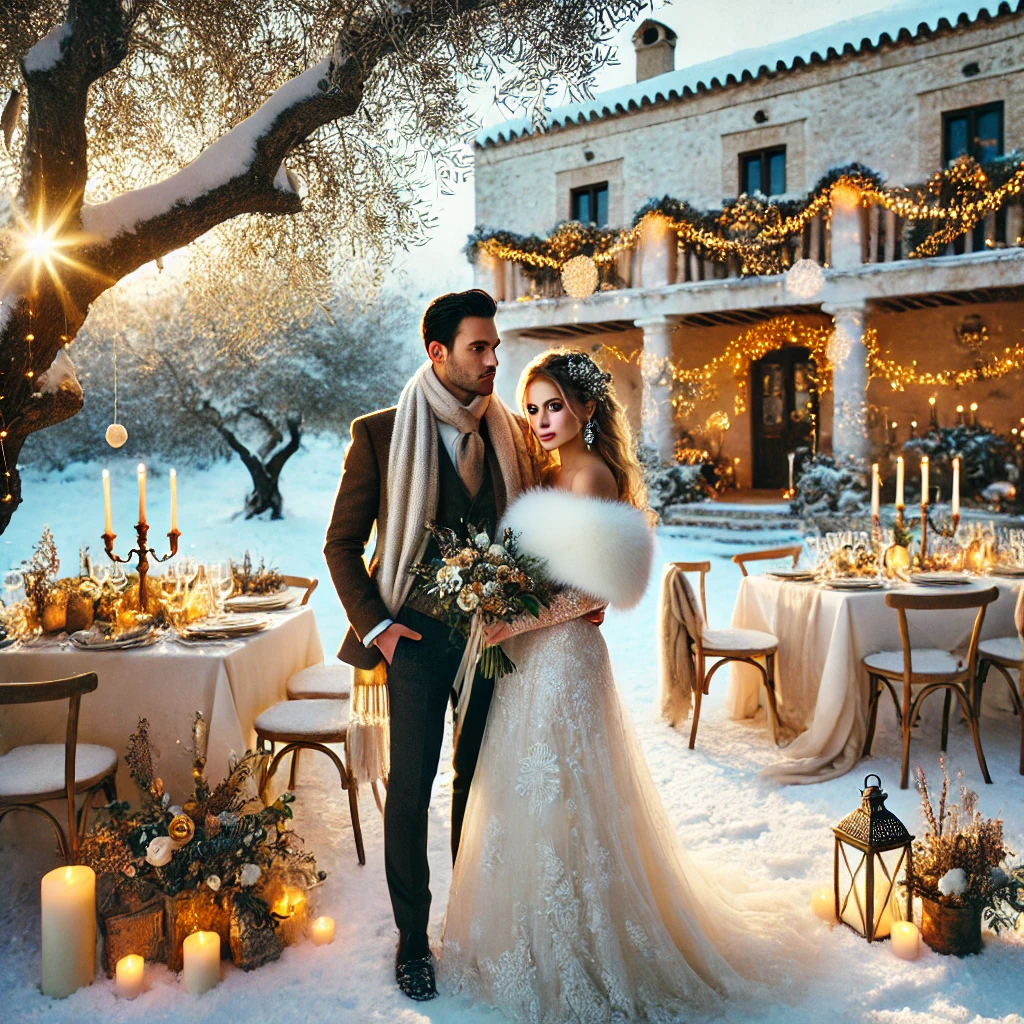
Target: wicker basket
252, 947
952, 930
131, 924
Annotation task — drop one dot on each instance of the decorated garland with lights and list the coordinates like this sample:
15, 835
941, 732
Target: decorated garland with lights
760, 233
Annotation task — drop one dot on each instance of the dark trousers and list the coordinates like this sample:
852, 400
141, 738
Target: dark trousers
419, 690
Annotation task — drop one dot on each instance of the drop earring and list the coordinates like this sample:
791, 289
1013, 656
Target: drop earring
590, 432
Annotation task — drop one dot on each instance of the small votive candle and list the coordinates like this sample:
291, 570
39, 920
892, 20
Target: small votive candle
68, 924
906, 940
823, 903
201, 952
321, 931
129, 975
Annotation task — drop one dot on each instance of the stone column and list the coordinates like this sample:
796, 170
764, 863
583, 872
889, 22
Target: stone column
849, 357
656, 370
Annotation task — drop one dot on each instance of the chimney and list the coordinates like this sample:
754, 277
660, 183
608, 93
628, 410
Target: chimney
655, 46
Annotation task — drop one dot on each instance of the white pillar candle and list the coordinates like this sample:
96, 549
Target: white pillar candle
142, 492
108, 517
906, 940
174, 499
201, 952
899, 482
875, 485
855, 907
956, 486
129, 975
792, 458
823, 903
68, 897
924, 480
322, 931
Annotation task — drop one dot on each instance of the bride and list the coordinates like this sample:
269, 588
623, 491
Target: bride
570, 900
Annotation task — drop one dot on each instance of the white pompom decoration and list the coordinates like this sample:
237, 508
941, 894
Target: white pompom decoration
840, 345
805, 279
579, 277
116, 435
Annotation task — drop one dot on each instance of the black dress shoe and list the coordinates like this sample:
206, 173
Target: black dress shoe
415, 978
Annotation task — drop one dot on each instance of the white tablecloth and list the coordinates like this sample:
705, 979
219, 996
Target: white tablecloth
230, 682
821, 685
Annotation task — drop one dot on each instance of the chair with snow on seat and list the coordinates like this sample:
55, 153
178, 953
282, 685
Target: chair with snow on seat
34, 773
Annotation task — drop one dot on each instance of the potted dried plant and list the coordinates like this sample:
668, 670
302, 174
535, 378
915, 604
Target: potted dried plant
961, 872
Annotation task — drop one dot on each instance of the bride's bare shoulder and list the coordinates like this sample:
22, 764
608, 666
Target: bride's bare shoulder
595, 480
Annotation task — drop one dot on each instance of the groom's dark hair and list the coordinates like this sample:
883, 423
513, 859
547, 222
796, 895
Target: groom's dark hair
443, 316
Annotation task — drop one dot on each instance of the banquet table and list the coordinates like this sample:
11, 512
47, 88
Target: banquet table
229, 681
822, 688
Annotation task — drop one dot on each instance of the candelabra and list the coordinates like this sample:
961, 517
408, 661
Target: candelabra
142, 552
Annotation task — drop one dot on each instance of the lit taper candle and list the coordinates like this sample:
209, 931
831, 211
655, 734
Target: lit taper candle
108, 515
142, 492
956, 487
925, 489
899, 482
875, 490
174, 499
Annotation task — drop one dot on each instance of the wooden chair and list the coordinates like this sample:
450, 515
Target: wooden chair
307, 582
725, 645
318, 682
32, 774
792, 551
310, 725
1005, 655
928, 669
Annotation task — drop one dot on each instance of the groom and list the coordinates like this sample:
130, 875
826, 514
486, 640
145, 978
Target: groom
451, 452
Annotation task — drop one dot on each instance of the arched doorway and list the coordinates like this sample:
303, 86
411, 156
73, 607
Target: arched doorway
784, 411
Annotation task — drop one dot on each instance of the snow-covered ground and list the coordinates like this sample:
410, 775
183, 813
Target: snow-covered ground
767, 837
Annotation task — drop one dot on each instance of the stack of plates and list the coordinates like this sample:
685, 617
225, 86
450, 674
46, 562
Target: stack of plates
95, 640
224, 629
262, 602
1013, 572
855, 583
939, 579
796, 575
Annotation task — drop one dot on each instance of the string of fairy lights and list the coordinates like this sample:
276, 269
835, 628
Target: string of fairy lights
693, 386
757, 232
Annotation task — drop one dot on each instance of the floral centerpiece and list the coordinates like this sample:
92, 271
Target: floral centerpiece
961, 872
262, 579
222, 861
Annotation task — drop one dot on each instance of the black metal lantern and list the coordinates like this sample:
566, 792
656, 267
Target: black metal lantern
872, 847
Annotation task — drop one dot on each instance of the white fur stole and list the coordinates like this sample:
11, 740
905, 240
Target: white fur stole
602, 548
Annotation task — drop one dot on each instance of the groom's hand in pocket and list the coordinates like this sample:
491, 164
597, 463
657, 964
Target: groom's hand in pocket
388, 640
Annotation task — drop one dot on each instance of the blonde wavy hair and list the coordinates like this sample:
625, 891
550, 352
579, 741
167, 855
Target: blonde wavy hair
614, 439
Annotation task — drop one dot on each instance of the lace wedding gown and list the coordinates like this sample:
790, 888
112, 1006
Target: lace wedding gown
570, 900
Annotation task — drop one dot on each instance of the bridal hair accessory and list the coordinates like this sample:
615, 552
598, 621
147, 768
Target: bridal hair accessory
590, 380
590, 431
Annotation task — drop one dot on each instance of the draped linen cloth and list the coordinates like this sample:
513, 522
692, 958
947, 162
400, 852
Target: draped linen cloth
681, 621
413, 484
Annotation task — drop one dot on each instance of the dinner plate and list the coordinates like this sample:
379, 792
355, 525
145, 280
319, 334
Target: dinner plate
261, 602
226, 629
121, 643
855, 584
939, 579
1013, 572
792, 574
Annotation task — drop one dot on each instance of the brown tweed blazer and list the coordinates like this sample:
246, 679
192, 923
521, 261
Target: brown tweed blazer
362, 501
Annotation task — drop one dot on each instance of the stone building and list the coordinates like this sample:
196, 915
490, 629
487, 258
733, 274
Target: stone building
902, 93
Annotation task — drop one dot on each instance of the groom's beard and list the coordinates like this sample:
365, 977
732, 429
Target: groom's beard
474, 383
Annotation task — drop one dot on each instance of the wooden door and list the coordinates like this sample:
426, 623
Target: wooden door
784, 411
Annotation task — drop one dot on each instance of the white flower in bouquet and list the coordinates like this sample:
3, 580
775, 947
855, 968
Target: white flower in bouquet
953, 882
449, 579
482, 541
491, 588
496, 553
213, 882
468, 600
250, 874
174, 810
159, 851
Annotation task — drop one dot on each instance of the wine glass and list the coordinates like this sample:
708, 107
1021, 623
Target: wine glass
13, 580
221, 584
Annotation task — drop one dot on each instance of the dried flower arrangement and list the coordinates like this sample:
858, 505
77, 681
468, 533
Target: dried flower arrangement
222, 854
263, 579
961, 860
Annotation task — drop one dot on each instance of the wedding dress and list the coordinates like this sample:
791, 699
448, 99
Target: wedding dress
570, 899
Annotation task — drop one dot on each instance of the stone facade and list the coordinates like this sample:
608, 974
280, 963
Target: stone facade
881, 106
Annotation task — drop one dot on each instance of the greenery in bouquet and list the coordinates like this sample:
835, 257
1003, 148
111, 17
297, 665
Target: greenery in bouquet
223, 838
961, 860
475, 578
262, 579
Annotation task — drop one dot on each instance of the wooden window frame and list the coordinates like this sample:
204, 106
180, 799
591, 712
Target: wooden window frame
763, 155
972, 114
591, 191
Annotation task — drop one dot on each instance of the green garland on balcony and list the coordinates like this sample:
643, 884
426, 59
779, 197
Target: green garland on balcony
760, 233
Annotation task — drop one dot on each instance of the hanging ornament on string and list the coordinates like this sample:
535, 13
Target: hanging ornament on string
579, 277
805, 279
116, 434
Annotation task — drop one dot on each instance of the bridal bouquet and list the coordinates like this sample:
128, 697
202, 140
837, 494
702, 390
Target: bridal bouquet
477, 583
